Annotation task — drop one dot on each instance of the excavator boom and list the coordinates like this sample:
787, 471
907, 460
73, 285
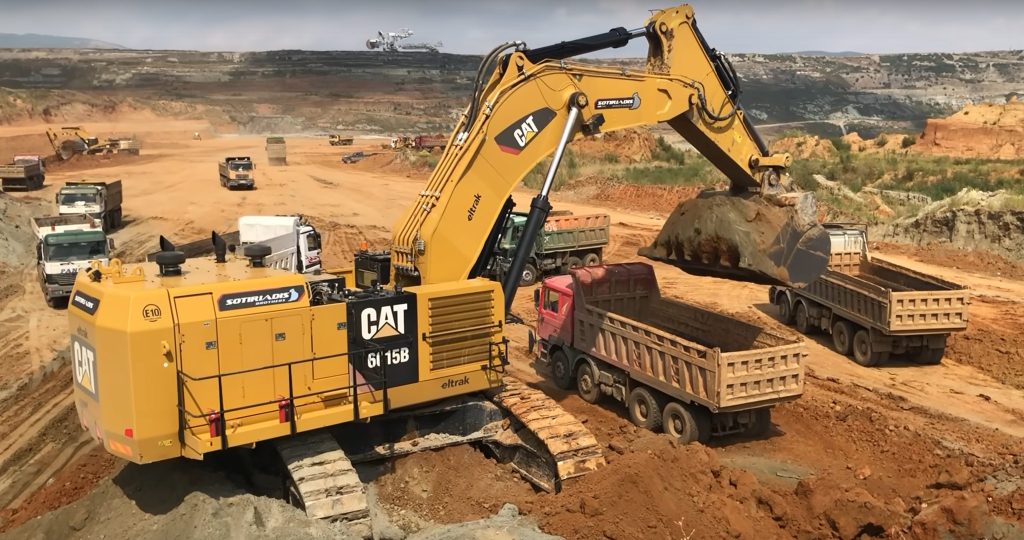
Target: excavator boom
535, 101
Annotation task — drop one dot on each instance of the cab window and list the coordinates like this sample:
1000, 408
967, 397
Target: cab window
551, 300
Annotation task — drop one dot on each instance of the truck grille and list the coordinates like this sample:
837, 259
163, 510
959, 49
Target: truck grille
461, 329
61, 279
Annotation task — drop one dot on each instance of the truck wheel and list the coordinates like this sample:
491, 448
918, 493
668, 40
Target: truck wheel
586, 383
643, 408
572, 262
561, 373
842, 332
591, 259
863, 351
931, 357
529, 276
785, 309
802, 318
686, 423
761, 424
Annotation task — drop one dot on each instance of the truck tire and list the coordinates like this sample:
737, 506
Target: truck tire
802, 319
864, 352
931, 357
561, 371
687, 423
761, 424
842, 337
591, 259
586, 383
644, 408
529, 276
785, 309
571, 262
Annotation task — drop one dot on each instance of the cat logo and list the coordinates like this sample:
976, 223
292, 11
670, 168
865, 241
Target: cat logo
84, 363
517, 136
383, 321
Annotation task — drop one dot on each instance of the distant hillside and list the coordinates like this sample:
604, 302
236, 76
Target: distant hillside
827, 53
43, 41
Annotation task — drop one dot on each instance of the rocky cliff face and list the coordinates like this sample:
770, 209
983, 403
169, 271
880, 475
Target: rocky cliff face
971, 220
985, 130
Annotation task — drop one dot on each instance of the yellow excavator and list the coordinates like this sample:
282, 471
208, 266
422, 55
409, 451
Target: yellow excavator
183, 358
71, 140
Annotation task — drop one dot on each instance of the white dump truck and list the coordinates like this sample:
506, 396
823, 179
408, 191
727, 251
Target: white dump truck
66, 244
99, 199
294, 243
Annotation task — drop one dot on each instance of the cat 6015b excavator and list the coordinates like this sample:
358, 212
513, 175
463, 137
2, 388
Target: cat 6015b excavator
189, 357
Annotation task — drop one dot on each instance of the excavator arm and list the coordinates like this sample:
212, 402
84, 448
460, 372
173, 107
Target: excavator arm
534, 102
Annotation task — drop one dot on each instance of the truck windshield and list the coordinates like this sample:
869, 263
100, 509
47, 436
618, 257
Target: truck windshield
313, 242
236, 166
76, 251
72, 198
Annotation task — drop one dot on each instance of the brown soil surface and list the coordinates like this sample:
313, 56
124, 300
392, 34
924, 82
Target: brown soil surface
957, 259
627, 146
806, 147
985, 130
637, 197
920, 451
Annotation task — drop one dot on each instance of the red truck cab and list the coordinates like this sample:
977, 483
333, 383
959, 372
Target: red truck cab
554, 309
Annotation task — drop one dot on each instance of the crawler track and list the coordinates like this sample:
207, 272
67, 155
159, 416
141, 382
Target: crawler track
323, 481
572, 449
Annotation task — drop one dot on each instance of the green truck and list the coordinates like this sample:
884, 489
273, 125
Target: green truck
567, 241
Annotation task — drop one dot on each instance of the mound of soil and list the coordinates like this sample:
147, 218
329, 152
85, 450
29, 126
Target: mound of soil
17, 241
627, 146
985, 130
647, 197
806, 147
82, 162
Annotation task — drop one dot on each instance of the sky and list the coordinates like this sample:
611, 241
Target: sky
473, 27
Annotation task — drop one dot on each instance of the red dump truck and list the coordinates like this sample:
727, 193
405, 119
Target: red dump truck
695, 373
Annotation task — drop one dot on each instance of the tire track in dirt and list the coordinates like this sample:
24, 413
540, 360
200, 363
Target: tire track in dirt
31, 334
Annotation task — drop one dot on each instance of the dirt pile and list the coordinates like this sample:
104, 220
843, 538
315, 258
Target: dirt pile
405, 162
985, 130
17, 241
970, 219
887, 143
614, 194
341, 241
176, 499
625, 146
806, 147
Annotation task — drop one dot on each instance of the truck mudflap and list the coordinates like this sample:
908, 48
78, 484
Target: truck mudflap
772, 239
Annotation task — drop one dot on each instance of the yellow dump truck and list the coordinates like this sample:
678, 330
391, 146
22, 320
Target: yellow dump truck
874, 308
607, 331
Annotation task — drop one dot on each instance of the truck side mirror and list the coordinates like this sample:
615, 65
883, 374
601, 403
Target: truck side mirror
110, 244
536, 298
39, 252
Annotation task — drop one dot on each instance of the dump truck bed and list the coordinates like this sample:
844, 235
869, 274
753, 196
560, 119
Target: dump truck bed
570, 232
891, 298
680, 349
15, 171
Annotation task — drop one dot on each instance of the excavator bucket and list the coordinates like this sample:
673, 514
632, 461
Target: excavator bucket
771, 239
